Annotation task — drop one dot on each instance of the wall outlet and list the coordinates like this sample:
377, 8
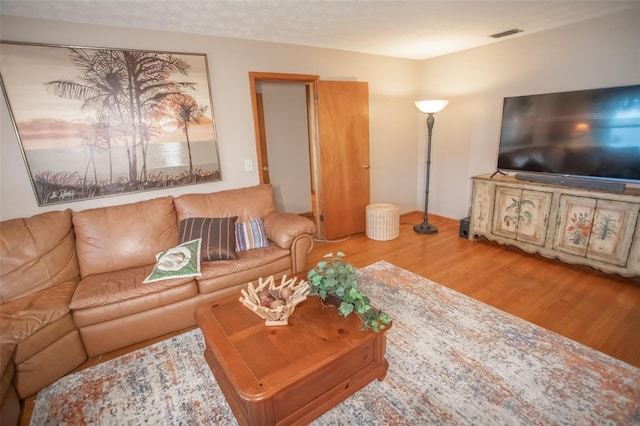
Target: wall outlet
248, 165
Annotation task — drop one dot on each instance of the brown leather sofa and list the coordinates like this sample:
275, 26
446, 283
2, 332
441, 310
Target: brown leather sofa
71, 282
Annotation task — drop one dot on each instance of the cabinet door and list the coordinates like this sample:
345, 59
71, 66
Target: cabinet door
612, 231
533, 218
521, 214
596, 229
575, 218
506, 210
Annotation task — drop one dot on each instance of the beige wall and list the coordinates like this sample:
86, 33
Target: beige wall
600, 53
393, 85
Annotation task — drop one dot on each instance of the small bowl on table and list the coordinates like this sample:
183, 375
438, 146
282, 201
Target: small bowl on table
274, 302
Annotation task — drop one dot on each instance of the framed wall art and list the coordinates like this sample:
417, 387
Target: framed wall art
95, 122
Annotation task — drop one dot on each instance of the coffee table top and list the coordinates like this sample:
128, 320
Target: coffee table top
263, 359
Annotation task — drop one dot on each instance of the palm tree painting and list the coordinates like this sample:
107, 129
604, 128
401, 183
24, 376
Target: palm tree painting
94, 122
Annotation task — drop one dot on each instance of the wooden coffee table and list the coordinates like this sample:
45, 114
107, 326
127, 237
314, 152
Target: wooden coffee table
288, 374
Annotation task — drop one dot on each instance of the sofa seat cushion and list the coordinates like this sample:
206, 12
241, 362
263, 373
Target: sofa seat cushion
103, 297
43, 338
246, 260
48, 365
25, 316
247, 263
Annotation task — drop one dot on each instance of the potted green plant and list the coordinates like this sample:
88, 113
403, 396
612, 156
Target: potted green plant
334, 281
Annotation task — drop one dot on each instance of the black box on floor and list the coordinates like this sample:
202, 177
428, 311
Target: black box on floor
464, 227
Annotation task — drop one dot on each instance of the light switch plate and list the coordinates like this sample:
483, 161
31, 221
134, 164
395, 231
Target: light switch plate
248, 165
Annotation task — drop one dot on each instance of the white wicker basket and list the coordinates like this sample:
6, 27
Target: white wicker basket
383, 221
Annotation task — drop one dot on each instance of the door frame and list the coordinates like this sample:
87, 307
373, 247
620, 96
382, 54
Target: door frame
255, 77
261, 143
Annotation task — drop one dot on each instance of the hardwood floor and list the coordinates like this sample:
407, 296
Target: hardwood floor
596, 309
599, 310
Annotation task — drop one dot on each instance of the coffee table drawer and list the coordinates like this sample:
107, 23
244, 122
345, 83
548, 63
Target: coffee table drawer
332, 379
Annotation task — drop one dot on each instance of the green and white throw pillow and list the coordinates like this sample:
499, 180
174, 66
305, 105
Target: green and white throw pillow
181, 261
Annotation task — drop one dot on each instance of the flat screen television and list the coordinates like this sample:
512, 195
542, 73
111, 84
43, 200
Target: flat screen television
590, 136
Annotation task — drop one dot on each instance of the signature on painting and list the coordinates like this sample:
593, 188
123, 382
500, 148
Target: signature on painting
62, 194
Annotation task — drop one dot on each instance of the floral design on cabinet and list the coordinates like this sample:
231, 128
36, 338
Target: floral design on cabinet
579, 229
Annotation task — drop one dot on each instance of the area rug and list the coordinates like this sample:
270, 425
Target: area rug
452, 361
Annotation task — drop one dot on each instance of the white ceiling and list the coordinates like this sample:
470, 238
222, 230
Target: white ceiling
417, 29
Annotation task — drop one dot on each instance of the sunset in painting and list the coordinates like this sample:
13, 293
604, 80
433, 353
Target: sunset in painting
96, 122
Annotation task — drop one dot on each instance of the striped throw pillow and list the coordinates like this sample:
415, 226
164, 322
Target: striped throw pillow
251, 235
217, 233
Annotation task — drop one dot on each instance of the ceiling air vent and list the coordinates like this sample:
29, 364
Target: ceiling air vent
506, 33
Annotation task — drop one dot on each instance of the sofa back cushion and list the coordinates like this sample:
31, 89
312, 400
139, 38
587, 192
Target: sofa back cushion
245, 203
36, 253
124, 236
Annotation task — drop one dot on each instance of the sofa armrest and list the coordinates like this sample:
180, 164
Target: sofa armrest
283, 228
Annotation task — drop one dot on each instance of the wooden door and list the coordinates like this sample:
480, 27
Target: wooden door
342, 156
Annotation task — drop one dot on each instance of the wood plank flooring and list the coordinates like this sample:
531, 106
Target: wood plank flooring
596, 309
599, 310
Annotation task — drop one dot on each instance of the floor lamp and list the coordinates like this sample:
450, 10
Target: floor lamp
430, 108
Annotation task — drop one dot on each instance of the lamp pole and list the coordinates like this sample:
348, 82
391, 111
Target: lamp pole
430, 108
425, 227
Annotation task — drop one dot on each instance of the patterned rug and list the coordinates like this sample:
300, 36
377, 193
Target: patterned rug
452, 361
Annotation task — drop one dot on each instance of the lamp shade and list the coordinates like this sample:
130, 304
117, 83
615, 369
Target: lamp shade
431, 106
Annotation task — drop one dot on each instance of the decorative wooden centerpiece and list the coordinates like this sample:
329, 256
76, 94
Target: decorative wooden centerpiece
275, 303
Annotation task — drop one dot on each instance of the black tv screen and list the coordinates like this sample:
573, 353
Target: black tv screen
589, 133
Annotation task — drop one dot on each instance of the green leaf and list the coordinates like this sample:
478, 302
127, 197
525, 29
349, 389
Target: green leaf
346, 308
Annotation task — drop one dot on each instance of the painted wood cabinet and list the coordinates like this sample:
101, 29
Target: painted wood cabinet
574, 225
